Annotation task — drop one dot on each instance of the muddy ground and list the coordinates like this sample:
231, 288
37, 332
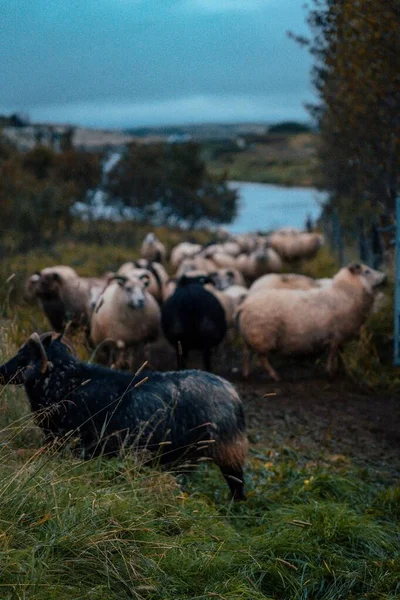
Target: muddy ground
320, 419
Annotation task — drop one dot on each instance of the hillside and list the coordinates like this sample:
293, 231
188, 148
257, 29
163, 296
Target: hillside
282, 159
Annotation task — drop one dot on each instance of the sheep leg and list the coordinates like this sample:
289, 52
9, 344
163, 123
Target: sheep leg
130, 358
268, 367
331, 364
235, 480
246, 361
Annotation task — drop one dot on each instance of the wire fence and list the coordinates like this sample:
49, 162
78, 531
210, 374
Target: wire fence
372, 243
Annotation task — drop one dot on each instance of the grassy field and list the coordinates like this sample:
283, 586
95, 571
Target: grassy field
280, 159
316, 526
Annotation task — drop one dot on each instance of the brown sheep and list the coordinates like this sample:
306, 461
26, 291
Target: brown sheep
63, 295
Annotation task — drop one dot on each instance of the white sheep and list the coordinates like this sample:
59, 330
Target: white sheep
126, 314
258, 263
286, 281
197, 263
224, 278
303, 321
294, 245
155, 271
182, 251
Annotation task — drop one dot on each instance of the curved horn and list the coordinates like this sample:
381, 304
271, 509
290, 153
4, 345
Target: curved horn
121, 278
35, 339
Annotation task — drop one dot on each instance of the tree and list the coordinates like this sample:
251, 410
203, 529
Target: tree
169, 183
356, 46
38, 190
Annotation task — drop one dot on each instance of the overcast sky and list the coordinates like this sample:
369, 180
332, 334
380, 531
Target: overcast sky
123, 63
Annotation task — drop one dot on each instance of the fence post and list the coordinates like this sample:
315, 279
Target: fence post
337, 237
396, 358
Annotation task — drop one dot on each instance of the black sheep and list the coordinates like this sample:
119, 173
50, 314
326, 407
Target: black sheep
176, 416
193, 319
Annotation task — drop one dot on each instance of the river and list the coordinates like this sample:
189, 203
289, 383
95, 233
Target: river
265, 207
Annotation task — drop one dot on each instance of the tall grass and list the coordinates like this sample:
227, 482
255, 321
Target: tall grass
112, 529
78, 530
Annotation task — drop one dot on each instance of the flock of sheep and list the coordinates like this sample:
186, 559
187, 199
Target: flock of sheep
183, 416
232, 284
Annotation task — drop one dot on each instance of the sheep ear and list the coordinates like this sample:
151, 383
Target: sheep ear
354, 268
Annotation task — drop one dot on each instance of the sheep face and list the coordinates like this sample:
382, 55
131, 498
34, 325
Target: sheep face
134, 290
31, 360
223, 279
15, 370
49, 285
370, 278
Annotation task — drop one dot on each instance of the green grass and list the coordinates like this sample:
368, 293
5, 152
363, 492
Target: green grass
114, 529
288, 160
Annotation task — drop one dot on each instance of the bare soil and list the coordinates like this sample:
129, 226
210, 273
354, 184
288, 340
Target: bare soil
319, 418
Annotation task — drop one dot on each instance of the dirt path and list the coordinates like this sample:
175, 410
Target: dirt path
318, 418
324, 420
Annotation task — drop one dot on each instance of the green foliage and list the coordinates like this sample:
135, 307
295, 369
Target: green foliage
169, 183
356, 48
72, 529
368, 359
38, 190
279, 159
160, 184
114, 529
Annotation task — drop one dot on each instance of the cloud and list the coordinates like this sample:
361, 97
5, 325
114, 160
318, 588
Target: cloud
219, 6
191, 109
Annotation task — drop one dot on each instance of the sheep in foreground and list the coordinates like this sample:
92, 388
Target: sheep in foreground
303, 321
126, 315
193, 319
176, 416
152, 249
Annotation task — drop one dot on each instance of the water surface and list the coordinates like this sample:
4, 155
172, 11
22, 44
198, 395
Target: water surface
265, 206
